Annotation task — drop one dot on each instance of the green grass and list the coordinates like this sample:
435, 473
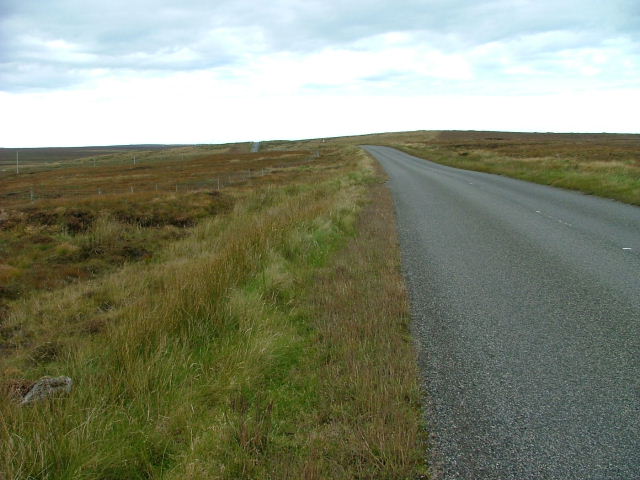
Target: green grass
214, 359
607, 165
50, 244
575, 170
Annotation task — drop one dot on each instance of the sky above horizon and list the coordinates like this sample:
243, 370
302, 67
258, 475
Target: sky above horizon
76, 73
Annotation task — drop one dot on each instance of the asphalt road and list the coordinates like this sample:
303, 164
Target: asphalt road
526, 306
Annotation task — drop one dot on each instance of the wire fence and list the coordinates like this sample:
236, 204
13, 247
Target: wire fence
216, 182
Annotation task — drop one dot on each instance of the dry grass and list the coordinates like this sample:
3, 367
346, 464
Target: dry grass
596, 167
164, 172
607, 165
47, 245
214, 360
38, 159
370, 425
69, 233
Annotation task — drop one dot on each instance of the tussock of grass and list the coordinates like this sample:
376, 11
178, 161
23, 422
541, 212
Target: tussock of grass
217, 360
49, 244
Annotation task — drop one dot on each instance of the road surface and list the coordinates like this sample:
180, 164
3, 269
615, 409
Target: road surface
526, 306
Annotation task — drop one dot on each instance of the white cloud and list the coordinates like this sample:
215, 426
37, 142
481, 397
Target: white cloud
190, 109
197, 71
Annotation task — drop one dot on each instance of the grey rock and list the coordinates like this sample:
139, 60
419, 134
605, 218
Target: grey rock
47, 387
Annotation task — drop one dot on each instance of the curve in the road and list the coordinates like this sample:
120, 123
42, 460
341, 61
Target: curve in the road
526, 306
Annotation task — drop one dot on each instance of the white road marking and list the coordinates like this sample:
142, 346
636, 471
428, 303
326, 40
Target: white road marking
554, 218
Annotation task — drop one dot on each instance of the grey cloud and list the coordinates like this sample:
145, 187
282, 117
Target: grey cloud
123, 35
465, 23
161, 35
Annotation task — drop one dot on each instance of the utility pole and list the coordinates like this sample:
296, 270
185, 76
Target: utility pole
17, 163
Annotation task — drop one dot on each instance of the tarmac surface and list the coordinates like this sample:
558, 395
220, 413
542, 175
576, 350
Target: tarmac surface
526, 313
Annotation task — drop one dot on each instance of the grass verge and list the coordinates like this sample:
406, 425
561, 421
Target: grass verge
369, 398
271, 342
576, 167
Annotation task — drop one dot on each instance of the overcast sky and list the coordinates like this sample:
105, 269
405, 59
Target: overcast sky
83, 72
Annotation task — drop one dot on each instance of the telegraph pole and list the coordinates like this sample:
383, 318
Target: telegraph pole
17, 163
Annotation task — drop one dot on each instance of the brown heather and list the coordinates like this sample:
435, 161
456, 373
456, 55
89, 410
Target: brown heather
259, 331
607, 165
264, 338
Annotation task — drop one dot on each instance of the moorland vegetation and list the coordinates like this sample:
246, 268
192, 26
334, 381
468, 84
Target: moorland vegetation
253, 330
